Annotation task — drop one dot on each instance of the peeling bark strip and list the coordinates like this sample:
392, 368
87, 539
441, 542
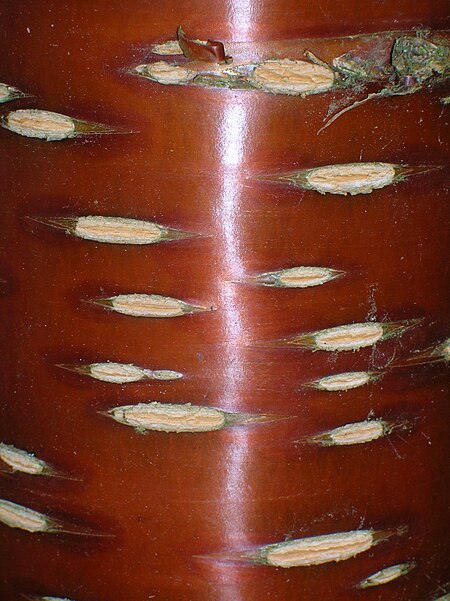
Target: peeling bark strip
21, 461
297, 277
210, 51
357, 433
17, 516
148, 305
350, 178
345, 381
115, 230
166, 73
387, 575
293, 77
45, 125
178, 418
8, 93
316, 550
350, 337
122, 373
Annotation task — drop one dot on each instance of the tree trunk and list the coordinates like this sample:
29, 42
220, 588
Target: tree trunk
224, 366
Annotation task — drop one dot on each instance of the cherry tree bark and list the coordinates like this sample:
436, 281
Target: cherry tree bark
225, 295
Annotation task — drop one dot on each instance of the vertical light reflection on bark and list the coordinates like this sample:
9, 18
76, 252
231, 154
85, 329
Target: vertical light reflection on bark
232, 141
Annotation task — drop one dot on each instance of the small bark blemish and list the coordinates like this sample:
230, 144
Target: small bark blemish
8, 93
433, 354
387, 575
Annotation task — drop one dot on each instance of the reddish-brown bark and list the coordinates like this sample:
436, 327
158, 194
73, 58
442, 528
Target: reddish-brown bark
191, 162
